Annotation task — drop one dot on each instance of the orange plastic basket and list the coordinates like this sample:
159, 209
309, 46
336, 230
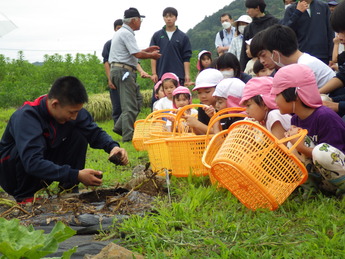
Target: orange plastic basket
157, 149
217, 140
256, 167
152, 123
186, 151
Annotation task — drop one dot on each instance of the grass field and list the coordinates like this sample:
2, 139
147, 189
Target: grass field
204, 222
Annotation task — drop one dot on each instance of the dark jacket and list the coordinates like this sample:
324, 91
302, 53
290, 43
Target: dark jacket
174, 52
314, 33
257, 25
31, 132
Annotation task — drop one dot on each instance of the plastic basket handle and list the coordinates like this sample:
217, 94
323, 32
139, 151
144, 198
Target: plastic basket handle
300, 135
208, 147
227, 110
216, 118
181, 112
158, 113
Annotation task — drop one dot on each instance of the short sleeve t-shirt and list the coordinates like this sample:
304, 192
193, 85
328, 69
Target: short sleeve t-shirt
324, 126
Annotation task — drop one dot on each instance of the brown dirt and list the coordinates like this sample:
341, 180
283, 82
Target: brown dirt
134, 197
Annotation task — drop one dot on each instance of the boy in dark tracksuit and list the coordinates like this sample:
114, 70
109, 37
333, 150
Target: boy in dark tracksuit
261, 21
46, 140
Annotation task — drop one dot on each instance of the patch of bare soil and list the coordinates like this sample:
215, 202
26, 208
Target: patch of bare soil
90, 207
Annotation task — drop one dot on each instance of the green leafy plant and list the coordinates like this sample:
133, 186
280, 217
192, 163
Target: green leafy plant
18, 241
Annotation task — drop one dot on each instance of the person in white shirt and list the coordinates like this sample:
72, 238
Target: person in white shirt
236, 43
225, 36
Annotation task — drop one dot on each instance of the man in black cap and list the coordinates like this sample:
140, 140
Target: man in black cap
124, 55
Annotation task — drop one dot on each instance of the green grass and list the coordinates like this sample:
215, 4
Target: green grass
204, 222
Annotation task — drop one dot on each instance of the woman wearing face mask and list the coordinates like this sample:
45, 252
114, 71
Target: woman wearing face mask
236, 43
229, 65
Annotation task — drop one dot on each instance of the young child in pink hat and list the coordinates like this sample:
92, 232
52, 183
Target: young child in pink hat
182, 97
261, 106
159, 93
297, 92
204, 60
170, 82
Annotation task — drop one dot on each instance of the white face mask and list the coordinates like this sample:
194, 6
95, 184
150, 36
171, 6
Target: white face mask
226, 25
286, 6
279, 64
241, 28
228, 73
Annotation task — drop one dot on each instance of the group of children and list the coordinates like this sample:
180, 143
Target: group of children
284, 102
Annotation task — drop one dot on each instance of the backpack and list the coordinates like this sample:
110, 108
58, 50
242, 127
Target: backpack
221, 34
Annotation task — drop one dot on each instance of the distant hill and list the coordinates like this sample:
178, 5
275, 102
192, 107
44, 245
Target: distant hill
202, 36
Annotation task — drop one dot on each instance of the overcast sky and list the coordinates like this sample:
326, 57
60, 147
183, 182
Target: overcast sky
76, 26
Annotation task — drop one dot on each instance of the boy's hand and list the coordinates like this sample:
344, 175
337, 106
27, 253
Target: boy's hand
209, 110
118, 156
90, 177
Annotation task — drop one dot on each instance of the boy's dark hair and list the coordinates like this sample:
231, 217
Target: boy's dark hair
68, 90
229, 60
226, 14
291, 1
118, 22
170, 10
256, 3
256, 45
337, 18
290, 95
257, 99
281, 38
257, 66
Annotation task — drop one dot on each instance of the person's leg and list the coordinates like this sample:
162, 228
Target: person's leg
130, 107
115, 101
330, 162
15, 181
71, 152
116, 74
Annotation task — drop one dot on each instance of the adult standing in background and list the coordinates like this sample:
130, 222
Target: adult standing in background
236, 43
114, 94
124, 55
175, 48
225, 36
261, 21
310, 19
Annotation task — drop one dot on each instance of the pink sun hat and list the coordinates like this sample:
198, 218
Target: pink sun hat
170, 75
301, 77
182, 90
260, 86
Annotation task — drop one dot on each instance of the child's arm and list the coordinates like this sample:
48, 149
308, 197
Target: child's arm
307, 151
277, 130
199, 128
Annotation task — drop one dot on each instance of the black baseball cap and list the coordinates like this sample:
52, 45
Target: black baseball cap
132, 12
